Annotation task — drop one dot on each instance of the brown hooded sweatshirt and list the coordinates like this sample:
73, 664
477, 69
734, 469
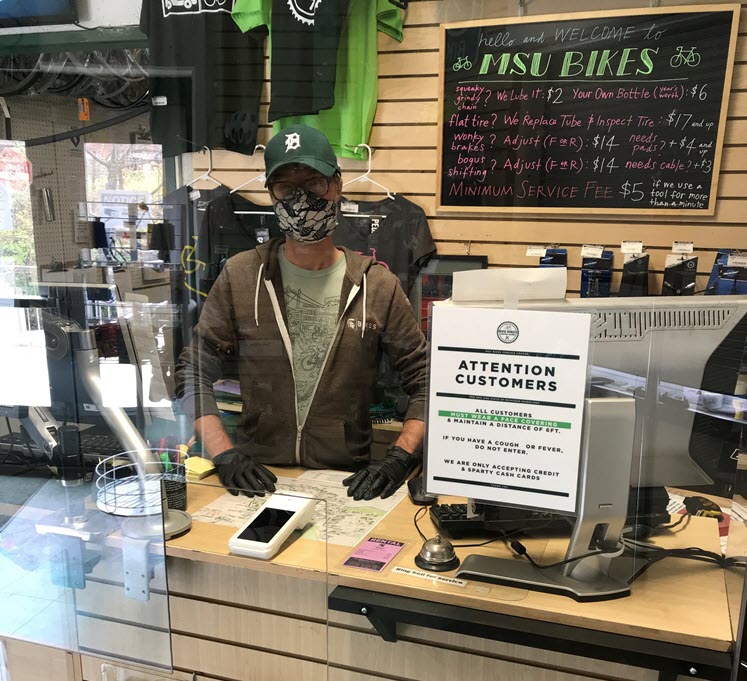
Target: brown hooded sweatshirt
245, 315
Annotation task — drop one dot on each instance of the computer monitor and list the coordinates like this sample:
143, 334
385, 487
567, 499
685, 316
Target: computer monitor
55, 310
37, 12
680, 358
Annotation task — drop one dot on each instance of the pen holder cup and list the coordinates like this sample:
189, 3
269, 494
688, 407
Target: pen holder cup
175, 482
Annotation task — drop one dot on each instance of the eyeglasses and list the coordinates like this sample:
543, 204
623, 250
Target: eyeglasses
284, 189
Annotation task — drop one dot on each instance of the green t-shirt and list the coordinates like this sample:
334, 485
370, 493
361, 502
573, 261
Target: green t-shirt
348, 123
312, 302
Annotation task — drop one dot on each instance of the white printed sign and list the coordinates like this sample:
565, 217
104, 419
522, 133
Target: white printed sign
682, 247
634, 247
430, 576
505, 406
536, 251
591, 251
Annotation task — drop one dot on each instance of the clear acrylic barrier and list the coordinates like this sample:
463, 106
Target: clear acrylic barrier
683, 360
125, 204
76, 578
659, 517
270, 611
271, 614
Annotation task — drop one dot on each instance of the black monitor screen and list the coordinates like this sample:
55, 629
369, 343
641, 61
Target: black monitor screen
36, 12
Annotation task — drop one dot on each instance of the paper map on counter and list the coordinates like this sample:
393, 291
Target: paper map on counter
348, 521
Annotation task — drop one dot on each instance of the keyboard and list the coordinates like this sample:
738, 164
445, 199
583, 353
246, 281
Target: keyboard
99, 444
93, 442
452, 518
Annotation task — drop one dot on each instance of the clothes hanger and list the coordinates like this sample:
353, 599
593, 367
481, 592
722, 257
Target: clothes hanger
366, 177
361, 178
259, 178
207, 175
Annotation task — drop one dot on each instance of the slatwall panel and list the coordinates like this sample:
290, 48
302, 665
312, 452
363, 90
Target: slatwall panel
405, 135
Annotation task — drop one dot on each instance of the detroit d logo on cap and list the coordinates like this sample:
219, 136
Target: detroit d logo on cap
292, 141
508, 332
304, 10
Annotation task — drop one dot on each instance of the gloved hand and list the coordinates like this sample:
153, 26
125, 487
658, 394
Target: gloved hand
237, 470
382, 478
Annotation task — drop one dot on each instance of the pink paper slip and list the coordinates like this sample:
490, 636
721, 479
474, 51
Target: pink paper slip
374, 554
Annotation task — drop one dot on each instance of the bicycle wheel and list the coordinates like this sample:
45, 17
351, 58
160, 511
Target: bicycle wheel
51, 67
18, 73
117, 65
139, 60
66, 83
132, 96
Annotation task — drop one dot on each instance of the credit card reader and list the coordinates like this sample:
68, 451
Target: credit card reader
267, 530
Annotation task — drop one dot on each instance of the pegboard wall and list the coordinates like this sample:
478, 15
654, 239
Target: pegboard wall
61, 167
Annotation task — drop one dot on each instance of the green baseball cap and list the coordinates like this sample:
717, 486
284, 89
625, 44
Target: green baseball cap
300, 144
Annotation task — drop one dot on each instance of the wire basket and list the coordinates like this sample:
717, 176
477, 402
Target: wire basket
121, 491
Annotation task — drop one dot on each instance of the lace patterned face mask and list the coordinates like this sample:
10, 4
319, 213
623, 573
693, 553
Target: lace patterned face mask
306, 218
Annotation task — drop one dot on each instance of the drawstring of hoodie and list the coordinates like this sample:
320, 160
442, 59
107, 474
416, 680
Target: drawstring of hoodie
256, 294
363, 330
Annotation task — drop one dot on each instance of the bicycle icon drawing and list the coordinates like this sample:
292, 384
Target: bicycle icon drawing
462, 63
683, 57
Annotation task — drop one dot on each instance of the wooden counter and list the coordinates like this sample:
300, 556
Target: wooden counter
676, 601
232, 618
229, 612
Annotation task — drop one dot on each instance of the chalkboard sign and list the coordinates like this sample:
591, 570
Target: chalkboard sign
609, 111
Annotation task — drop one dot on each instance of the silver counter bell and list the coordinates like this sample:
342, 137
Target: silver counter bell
437, 555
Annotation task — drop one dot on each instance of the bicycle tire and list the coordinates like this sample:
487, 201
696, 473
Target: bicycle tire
122, 106
116, 71
67, 86
88, 87
49, 73
18, 85
135, 59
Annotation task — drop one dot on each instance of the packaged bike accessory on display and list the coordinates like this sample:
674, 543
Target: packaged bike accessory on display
731, 280
596, 276
722, 258
555, 257
679, 275
635, 276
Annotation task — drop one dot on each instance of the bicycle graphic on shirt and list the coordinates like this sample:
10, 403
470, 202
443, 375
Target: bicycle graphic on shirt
683, 57
187, 258
197, 5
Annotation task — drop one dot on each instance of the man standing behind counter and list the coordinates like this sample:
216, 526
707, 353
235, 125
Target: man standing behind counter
308, 322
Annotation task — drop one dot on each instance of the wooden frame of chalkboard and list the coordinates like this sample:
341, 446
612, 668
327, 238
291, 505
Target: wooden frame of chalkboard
619, 112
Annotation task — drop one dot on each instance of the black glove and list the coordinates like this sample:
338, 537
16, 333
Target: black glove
382, 478
239, 471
